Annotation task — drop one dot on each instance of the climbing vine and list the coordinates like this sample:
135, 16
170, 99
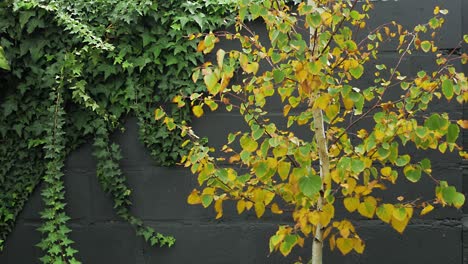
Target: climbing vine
72, 71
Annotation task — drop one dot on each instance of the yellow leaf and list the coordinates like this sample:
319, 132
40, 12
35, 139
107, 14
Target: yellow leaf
194, 197
275, 209
332, 242
220, 57
358, 245
234, 158
197, 110
351, 203
345, 245
399, 214
219, 208
463, 124
385, 212
313, 217
328, 212
332, 110
240, 206
248, 205
259, 209
427, 209
387, 171
322, 101
201, 46
348, 103
367, 208
283, 169
251, 67
399, 225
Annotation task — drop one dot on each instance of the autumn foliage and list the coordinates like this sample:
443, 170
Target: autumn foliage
314, 58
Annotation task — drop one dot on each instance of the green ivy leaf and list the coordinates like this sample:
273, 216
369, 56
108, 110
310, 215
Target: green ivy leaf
3, 61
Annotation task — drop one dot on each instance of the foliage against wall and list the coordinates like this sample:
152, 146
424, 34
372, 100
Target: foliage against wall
71, 71
361, 135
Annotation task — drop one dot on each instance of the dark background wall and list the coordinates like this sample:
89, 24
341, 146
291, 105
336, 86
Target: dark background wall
159, 194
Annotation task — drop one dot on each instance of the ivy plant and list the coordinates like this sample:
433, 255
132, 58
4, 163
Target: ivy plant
72, 71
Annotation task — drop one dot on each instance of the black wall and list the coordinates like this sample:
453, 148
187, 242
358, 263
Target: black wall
159, 195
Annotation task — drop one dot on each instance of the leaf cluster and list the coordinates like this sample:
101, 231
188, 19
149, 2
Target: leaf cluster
74, 70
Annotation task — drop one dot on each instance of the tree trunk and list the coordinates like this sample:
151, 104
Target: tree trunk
320, 137
317, 246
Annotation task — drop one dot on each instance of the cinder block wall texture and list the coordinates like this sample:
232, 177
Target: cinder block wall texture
159, 194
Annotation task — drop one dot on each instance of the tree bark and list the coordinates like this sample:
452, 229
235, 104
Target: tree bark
320, 137
317, 246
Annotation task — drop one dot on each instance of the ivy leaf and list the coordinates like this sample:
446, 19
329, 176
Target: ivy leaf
3, 61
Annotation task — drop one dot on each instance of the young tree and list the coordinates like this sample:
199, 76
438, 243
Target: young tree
314, 58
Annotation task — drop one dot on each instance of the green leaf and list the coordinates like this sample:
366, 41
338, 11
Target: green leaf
357, 72
3, 61
278, 75
413, 174
258, 133
206, 199
287, 245
248, 144
310, 185
452, 133
357, 166
402, 160
433, 122
210, 81
449, 194
426, 46
314, 19
447, 89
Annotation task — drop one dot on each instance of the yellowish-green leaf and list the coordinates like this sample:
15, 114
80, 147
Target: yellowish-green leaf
275, 209
194, 198
345, 245
357, 72
426, 46
259, 209
240, 206
384, 212
159, 113
197, 110
248, 143
398, 225
427, 209
219, 208
283, 169
351, 203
